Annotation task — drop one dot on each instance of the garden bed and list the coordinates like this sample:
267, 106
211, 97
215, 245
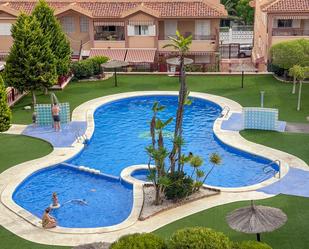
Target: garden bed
150, 210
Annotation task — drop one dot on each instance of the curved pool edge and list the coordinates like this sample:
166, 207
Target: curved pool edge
85, 112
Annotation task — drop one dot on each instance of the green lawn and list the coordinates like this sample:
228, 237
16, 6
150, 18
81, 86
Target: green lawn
9, 240
293, 143
293, 235
16, 149
277, 94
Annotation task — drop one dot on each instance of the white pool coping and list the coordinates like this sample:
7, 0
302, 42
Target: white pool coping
12, 177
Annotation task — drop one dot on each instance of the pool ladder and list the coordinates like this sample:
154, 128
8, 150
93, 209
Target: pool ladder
227, 109
267, 169
80, 138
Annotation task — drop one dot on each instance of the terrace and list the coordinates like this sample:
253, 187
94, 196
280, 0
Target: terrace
279, 97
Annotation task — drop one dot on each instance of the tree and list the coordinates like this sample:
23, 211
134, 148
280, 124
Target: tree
301, 75
230, 6
51, 28
245, 12
5, 112
296, 72
287, 54
181, 44
30, 65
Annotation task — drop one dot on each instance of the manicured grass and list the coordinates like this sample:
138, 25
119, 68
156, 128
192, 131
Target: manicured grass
277, 94
293, 143
9, 240
15, 149
293, 235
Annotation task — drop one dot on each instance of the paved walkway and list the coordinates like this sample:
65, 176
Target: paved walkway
296, 182
297, 127
65, 138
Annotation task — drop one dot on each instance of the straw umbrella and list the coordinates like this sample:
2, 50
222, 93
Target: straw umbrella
114, 64
256, 219
243, 68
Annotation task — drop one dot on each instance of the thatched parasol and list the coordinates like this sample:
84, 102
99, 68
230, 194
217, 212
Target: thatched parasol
256, 219
243, 68
114, 64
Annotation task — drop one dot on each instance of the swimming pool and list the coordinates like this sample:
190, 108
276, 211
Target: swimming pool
106, 201
119, 140
122, 133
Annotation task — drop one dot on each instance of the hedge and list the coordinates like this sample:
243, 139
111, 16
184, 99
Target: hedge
198, 238
139, 241
250, 245
87, 68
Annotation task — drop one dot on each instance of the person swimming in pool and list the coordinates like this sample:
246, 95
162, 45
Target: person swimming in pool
55, 200
47, 220
56, 116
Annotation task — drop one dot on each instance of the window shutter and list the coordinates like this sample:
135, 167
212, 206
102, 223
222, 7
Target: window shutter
5, 28
275, 23
202, 27
170, 27
296, 23
152, 30
130, 30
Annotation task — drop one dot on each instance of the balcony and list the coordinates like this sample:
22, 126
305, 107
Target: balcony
290, 32
194, 37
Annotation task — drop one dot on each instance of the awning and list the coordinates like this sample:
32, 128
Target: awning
289, 17
140, 55
108, 23
141, 22
188, 53
112, 54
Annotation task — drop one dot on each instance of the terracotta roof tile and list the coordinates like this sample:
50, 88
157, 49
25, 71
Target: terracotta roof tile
114, 8
287, 6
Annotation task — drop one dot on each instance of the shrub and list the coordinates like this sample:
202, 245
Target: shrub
139, 241
180, 187
88, 68
290, 53
5, 111
97, 61
250, 245
199, 238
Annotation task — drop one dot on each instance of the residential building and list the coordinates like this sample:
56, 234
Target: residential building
277, 21
131, 30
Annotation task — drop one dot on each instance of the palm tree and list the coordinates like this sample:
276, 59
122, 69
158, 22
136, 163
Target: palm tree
215, 160
180, 44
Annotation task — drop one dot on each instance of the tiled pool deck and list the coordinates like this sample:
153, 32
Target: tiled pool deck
19, 221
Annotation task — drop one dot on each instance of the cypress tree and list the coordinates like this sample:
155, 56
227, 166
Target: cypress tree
31, 64
5, 111
52, 29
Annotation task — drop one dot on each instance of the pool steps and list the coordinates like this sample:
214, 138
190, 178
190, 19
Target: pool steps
90, 170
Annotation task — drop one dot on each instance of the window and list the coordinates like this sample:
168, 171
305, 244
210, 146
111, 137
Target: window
5, 28
141, 30
285, 23
84, 24
68, 24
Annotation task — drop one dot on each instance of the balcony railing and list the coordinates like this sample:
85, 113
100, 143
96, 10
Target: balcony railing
290, 32
109, 36
194, 37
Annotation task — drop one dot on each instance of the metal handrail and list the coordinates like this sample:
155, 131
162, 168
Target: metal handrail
227, 112
278, 162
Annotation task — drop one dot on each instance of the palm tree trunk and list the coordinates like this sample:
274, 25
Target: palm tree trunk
176, 151
33, 98
294, 85
299, 95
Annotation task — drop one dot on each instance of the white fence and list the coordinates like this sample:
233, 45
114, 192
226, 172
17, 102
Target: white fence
236, 36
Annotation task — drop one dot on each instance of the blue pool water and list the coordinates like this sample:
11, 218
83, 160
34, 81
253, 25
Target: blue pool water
122, 133
108, 201
119, 140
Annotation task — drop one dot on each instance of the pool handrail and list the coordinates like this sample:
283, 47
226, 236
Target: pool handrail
278, 162
228, 109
